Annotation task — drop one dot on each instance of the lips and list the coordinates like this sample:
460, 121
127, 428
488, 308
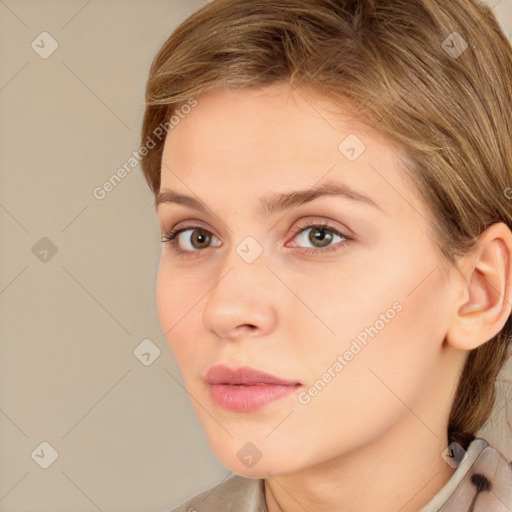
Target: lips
246, 389
222, 374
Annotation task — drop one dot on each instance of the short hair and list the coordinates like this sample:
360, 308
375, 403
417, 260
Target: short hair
433, 76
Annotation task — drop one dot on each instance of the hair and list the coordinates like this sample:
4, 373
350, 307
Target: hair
399, 64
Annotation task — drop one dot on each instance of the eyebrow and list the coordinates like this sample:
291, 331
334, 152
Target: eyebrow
272, 203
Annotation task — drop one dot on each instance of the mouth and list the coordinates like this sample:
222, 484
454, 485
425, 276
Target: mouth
246, 389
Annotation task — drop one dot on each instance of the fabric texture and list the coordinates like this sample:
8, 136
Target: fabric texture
481, 482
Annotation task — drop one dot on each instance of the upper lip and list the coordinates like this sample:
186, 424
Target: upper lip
222, 374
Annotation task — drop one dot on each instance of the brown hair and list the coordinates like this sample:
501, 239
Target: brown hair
405, 67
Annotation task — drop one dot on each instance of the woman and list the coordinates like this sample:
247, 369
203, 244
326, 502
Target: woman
332, 179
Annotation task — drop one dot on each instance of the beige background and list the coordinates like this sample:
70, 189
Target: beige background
125, 433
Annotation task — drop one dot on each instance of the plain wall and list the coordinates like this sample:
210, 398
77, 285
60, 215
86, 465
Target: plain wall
77, 273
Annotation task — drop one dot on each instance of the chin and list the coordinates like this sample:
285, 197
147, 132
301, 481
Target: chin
239, 461
259, 470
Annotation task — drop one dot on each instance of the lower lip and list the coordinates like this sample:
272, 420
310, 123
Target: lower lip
248, 398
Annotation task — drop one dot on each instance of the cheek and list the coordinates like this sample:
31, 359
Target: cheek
348, 301
353, 402
177, 309
387, 327
177, 292
166, 300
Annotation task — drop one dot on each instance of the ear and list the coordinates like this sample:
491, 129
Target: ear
486, 290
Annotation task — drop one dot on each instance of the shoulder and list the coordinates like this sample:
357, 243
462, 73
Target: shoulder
486, 485
229, 496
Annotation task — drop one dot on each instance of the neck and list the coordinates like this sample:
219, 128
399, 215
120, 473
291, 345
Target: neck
402, 471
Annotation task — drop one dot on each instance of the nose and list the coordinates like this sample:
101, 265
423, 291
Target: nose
242, 301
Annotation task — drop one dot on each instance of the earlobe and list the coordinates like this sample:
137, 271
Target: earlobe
487, 294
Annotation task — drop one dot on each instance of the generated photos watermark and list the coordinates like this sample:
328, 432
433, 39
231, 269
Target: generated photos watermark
341, 361
161, 131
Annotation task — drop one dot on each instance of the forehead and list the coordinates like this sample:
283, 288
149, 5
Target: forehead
251, 141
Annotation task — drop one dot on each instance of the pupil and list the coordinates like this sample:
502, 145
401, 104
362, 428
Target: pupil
314, 238
202, 236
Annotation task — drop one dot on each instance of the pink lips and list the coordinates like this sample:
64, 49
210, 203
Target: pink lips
246, 389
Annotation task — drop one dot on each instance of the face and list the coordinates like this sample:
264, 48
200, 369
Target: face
342, 296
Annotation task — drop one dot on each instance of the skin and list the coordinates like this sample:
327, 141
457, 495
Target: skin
372, 439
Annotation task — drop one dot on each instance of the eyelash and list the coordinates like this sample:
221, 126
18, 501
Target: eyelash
173, 235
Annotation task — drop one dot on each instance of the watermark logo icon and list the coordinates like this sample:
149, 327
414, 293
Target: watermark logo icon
352, 147
146, 352
249, 454
249, 249
44, 249
454, 45
453, 454
45, 455
44, 45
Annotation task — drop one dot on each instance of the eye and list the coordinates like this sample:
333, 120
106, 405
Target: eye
195, 243
321, 236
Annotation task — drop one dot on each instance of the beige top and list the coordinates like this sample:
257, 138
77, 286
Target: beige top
482, 480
